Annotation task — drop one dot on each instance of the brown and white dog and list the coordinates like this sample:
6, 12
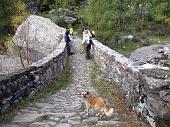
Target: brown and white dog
97, 103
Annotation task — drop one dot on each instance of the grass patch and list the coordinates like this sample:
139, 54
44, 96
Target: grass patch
58, 83
127, 48
159, 39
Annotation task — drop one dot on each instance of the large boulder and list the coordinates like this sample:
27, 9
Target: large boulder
39, 35
70, 20
151, 54
130, 38
9, 64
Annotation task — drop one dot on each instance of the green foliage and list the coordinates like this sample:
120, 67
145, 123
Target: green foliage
12, 13
100, 16
127, 48
6, 7
61, 22
45, 1
161, 7
19, 15
66, 3
113, 16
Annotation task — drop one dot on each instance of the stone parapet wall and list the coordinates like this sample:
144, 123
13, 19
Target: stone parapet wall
145, 86
27, 82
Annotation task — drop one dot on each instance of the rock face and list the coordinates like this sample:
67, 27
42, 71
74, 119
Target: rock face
39, 35
9, 64
70, 20
150, 53
129, 38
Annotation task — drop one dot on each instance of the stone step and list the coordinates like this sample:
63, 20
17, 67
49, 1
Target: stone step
112, 123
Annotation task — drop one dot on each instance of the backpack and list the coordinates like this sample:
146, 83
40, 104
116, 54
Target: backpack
92, 34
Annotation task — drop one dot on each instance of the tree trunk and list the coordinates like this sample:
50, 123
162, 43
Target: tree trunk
120, 13
137, 11
20, 54
168, 9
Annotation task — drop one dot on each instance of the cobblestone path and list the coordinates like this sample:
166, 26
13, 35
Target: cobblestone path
65, 108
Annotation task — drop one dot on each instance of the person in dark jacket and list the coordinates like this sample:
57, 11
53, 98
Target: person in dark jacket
88, 47
67, 40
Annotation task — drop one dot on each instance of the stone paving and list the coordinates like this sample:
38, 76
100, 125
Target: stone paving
65, 108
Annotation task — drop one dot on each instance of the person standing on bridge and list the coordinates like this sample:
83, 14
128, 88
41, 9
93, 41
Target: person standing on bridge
67, 40
86, 36
88, 47
87, 42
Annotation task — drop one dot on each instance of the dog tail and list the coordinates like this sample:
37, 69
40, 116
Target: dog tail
108, 113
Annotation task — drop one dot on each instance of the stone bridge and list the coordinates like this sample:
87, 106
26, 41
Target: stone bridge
146, 88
